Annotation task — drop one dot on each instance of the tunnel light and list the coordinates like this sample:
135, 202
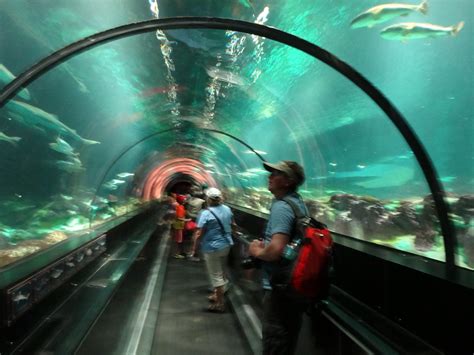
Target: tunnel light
161, 176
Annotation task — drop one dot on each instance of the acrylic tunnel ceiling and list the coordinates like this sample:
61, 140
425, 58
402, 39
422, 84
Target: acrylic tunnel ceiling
93, 131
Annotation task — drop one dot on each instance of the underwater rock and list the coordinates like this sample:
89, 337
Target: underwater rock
428, 214
253, 200
464, 208
55, 237
342, 223
372, 216
425, 239
343, 202
318, 210
467, 242
405, 218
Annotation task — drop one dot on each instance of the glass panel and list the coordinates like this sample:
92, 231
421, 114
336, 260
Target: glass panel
429, 79
362, 179
33, 30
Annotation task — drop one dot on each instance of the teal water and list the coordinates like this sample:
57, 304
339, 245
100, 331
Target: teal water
174, 86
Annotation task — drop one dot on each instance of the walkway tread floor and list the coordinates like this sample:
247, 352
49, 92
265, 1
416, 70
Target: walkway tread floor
184, 326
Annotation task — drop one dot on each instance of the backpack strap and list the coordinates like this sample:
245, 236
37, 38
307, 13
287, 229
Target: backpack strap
300, 216
294, 207
297, 228
218, 221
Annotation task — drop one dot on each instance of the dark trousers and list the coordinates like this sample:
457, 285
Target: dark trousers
282, 318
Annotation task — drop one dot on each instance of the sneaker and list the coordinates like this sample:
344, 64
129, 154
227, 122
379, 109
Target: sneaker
178, 256
194, 258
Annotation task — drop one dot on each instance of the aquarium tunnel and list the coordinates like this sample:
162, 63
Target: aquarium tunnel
108, 107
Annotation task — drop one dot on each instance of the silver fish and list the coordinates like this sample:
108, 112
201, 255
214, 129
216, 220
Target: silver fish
70, 167
6, 76
225, 75
412, 30
124, 175
20, 297
56, 273
386, 12
62, 146
12, 140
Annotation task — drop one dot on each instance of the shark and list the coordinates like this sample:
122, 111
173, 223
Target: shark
380, 175
412, 30
32, 116
386, 12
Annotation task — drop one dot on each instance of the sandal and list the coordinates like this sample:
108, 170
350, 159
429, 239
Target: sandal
212, 297
216, 308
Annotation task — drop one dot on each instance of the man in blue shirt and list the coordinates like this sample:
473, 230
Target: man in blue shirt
282, 314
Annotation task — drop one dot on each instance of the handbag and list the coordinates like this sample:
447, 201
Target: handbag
190, 225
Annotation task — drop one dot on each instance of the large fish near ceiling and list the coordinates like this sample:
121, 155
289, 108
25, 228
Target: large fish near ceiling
6, 76
32, 116
386, 12
412, 30
394, 171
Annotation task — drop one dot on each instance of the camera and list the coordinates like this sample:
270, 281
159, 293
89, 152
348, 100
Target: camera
250, 263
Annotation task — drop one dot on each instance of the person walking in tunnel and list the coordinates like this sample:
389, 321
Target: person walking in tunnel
282, 313
178, 226
194, 204
214, 230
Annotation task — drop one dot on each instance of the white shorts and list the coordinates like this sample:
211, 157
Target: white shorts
216, 262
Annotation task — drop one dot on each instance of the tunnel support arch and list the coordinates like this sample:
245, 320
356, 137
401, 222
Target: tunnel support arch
326, 57
121, 154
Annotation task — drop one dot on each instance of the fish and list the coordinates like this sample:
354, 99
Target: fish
117, 181
62, 146
69, 166
110, 186
386, 12
257, 171
225, 75
74, 159
12, 140
20, 297
56, 273
32, 116
412, 30
6, 76
124, 175
392, 171
247, 174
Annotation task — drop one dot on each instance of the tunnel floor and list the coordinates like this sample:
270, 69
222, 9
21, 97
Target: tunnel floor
183, 326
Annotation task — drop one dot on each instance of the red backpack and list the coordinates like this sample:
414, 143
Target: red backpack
308, 273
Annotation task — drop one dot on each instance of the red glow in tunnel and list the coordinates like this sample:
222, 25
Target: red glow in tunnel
161, 176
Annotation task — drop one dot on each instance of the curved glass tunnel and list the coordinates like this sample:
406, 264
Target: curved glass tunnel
96, 137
